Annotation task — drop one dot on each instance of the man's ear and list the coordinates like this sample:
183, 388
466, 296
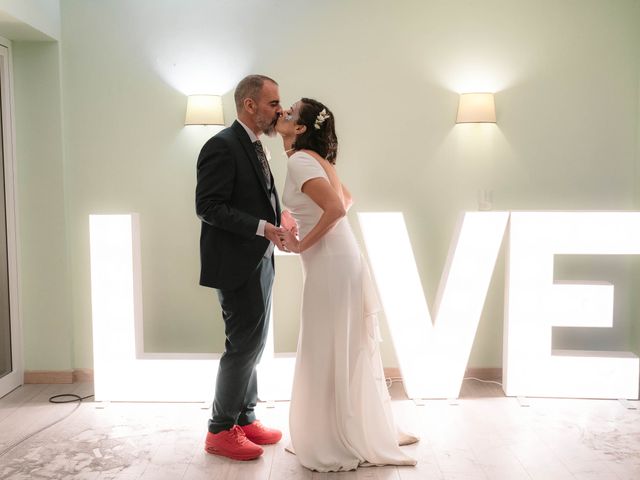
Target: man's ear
249, 105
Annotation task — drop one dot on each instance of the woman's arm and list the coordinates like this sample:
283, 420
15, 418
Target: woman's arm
347, 199
323, 194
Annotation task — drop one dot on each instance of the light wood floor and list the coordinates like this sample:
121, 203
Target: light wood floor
485, 436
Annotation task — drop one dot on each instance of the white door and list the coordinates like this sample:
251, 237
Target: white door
11, 373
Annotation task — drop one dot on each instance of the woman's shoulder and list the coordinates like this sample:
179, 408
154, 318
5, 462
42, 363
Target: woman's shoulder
302, 157
303, 161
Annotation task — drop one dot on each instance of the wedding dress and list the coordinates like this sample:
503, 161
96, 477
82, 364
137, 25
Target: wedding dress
340, 414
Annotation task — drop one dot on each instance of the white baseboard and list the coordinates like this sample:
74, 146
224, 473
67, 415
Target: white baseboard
82, 375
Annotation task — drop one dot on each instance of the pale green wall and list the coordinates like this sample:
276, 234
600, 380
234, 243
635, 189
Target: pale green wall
636, 323
42, 15
566, 138
45, 293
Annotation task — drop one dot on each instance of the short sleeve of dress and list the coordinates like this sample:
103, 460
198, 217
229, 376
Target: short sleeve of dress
302, 167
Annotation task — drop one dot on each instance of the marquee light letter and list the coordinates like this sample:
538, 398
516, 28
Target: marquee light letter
534, 304
433, 355
122, 370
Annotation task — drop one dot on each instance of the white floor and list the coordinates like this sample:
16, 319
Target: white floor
485, 436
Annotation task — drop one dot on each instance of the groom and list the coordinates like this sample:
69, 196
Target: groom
238, 204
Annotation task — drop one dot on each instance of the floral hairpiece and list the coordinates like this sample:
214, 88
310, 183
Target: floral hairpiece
322, 116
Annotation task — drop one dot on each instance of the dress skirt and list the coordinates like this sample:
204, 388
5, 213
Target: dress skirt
340, 414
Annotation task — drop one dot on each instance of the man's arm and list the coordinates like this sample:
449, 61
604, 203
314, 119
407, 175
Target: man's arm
216, 173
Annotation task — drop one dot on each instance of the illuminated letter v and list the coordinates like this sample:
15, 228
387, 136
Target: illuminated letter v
433, 355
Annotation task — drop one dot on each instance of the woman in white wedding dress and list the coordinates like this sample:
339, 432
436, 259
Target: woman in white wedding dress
340, 415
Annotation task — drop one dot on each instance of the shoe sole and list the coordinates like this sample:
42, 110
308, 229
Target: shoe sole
242, 458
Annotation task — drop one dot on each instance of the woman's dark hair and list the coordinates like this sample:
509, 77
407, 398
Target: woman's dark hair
320, 135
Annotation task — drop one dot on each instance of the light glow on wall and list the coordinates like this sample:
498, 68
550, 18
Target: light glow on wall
122, 371
535, 304
433, 355
200, 67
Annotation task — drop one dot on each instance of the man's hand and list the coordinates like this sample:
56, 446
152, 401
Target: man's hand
288, 222
272, 233
290, 242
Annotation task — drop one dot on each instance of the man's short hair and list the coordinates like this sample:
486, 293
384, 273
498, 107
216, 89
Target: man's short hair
249, 87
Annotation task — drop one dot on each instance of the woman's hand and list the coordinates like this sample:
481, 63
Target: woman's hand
290, 242
288, 222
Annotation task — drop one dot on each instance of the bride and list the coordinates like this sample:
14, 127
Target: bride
340, 415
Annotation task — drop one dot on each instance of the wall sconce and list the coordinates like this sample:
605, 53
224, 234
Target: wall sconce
204, 110
476, 108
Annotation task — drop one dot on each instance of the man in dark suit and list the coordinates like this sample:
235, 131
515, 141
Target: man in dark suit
238, 204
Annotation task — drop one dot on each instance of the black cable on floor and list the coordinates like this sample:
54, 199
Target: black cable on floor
74, 398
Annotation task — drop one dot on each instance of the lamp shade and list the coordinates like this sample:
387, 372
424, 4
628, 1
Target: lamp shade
476, 108
204, 110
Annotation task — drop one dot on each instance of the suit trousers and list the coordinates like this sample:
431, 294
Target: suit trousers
245, 311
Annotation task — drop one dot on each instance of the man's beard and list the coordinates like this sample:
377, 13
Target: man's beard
269, 129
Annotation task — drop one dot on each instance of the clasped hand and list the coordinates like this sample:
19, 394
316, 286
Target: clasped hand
284, 237
289, 241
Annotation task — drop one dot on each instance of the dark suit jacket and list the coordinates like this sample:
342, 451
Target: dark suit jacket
231, 197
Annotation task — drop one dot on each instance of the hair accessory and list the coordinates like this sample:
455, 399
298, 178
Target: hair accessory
322, 116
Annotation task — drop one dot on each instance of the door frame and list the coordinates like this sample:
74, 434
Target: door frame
16, 378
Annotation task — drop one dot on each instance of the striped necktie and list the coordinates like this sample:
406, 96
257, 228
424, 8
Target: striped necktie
263, 161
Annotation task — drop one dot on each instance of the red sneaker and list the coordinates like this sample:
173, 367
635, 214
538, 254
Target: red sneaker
232, 443
261, 435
